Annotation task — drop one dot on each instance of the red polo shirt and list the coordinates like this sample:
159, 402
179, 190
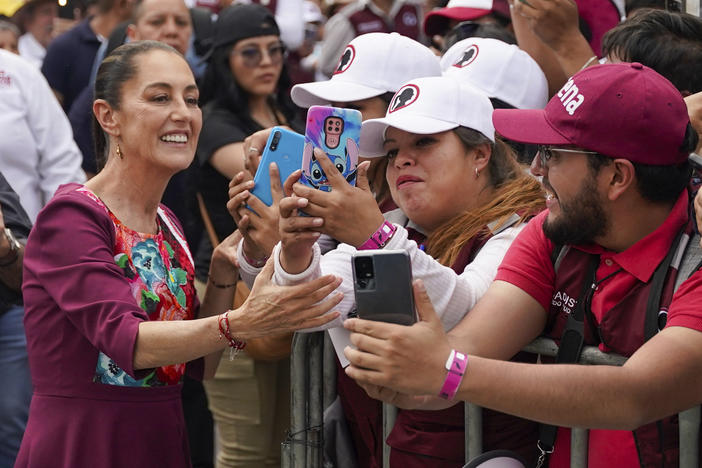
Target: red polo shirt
528, 266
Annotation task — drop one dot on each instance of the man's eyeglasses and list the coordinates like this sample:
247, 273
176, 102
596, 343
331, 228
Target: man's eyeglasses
253, 55
545, 153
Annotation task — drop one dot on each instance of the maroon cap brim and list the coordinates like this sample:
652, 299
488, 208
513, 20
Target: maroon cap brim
527, 126
435, 22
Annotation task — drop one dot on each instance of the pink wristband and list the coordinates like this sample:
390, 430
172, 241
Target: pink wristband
380, 237
456, 365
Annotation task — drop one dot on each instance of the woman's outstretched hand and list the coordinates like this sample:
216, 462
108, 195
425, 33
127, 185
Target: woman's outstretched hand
273, 309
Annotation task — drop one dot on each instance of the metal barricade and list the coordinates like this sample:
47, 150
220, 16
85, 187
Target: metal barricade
689, 420
313, 389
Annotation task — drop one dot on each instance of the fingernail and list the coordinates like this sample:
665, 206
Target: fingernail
302, 202
317, 221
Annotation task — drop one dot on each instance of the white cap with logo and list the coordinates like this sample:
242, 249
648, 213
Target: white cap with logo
430, 105
501, 70
371, 65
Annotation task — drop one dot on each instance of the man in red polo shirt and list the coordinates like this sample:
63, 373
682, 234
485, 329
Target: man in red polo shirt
614, 163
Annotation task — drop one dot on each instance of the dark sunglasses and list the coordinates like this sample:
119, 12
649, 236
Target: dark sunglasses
253, 55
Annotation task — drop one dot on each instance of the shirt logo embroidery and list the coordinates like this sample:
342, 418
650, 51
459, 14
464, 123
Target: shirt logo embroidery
564, 302
5, 80
370, 26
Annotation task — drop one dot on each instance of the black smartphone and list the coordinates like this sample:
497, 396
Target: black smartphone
696, 161
382, 285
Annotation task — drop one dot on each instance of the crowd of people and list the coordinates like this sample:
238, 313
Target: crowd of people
531, 158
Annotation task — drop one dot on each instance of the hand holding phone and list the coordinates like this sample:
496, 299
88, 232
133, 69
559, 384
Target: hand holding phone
336, 132
383, 286
284, 147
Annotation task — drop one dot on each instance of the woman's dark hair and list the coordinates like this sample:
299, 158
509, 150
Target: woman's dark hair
668, 42
115, 70
514, 192
220, 85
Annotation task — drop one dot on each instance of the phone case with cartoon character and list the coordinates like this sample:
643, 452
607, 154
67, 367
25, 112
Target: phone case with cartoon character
336, 132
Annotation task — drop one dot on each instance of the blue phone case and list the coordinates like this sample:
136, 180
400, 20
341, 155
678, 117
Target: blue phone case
284, 147
336, 132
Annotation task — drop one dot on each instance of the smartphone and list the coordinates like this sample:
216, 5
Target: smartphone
336, 132
382, 285
284, 147
696, 161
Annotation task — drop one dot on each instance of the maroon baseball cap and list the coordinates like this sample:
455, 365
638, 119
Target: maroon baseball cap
622, 110
437, 21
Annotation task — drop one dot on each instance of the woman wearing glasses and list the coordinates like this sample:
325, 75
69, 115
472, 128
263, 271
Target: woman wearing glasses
244, 90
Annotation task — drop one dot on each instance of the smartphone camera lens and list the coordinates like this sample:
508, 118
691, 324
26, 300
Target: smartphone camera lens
364, 270
275, 141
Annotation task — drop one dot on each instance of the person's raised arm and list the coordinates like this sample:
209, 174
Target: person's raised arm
229, 159
666, 370
548, 30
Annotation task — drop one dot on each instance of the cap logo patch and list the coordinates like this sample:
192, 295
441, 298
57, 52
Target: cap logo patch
404, 97
409, 18
346, 59
570, 96
469, 55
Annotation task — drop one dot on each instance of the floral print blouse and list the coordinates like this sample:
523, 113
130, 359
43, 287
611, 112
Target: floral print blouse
159, 269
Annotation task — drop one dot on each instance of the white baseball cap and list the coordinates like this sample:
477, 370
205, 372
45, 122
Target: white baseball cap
430, 105
501, 70
371, 65
311, 12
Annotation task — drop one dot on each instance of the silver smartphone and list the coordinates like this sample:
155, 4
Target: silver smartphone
382, 286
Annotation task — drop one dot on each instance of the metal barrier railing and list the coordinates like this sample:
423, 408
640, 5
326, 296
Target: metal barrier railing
313, 389
689, 420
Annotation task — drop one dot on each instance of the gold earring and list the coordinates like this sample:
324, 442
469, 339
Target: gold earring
119, 152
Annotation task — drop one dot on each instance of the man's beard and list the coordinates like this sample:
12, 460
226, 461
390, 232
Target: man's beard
580, 220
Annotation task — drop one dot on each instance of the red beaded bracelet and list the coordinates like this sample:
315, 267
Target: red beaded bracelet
235, 345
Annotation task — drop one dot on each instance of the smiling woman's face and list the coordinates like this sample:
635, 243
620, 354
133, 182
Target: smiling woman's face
431, 177
159, 120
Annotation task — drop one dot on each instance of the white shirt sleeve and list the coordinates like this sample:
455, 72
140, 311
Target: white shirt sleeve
59, 157
288, 15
